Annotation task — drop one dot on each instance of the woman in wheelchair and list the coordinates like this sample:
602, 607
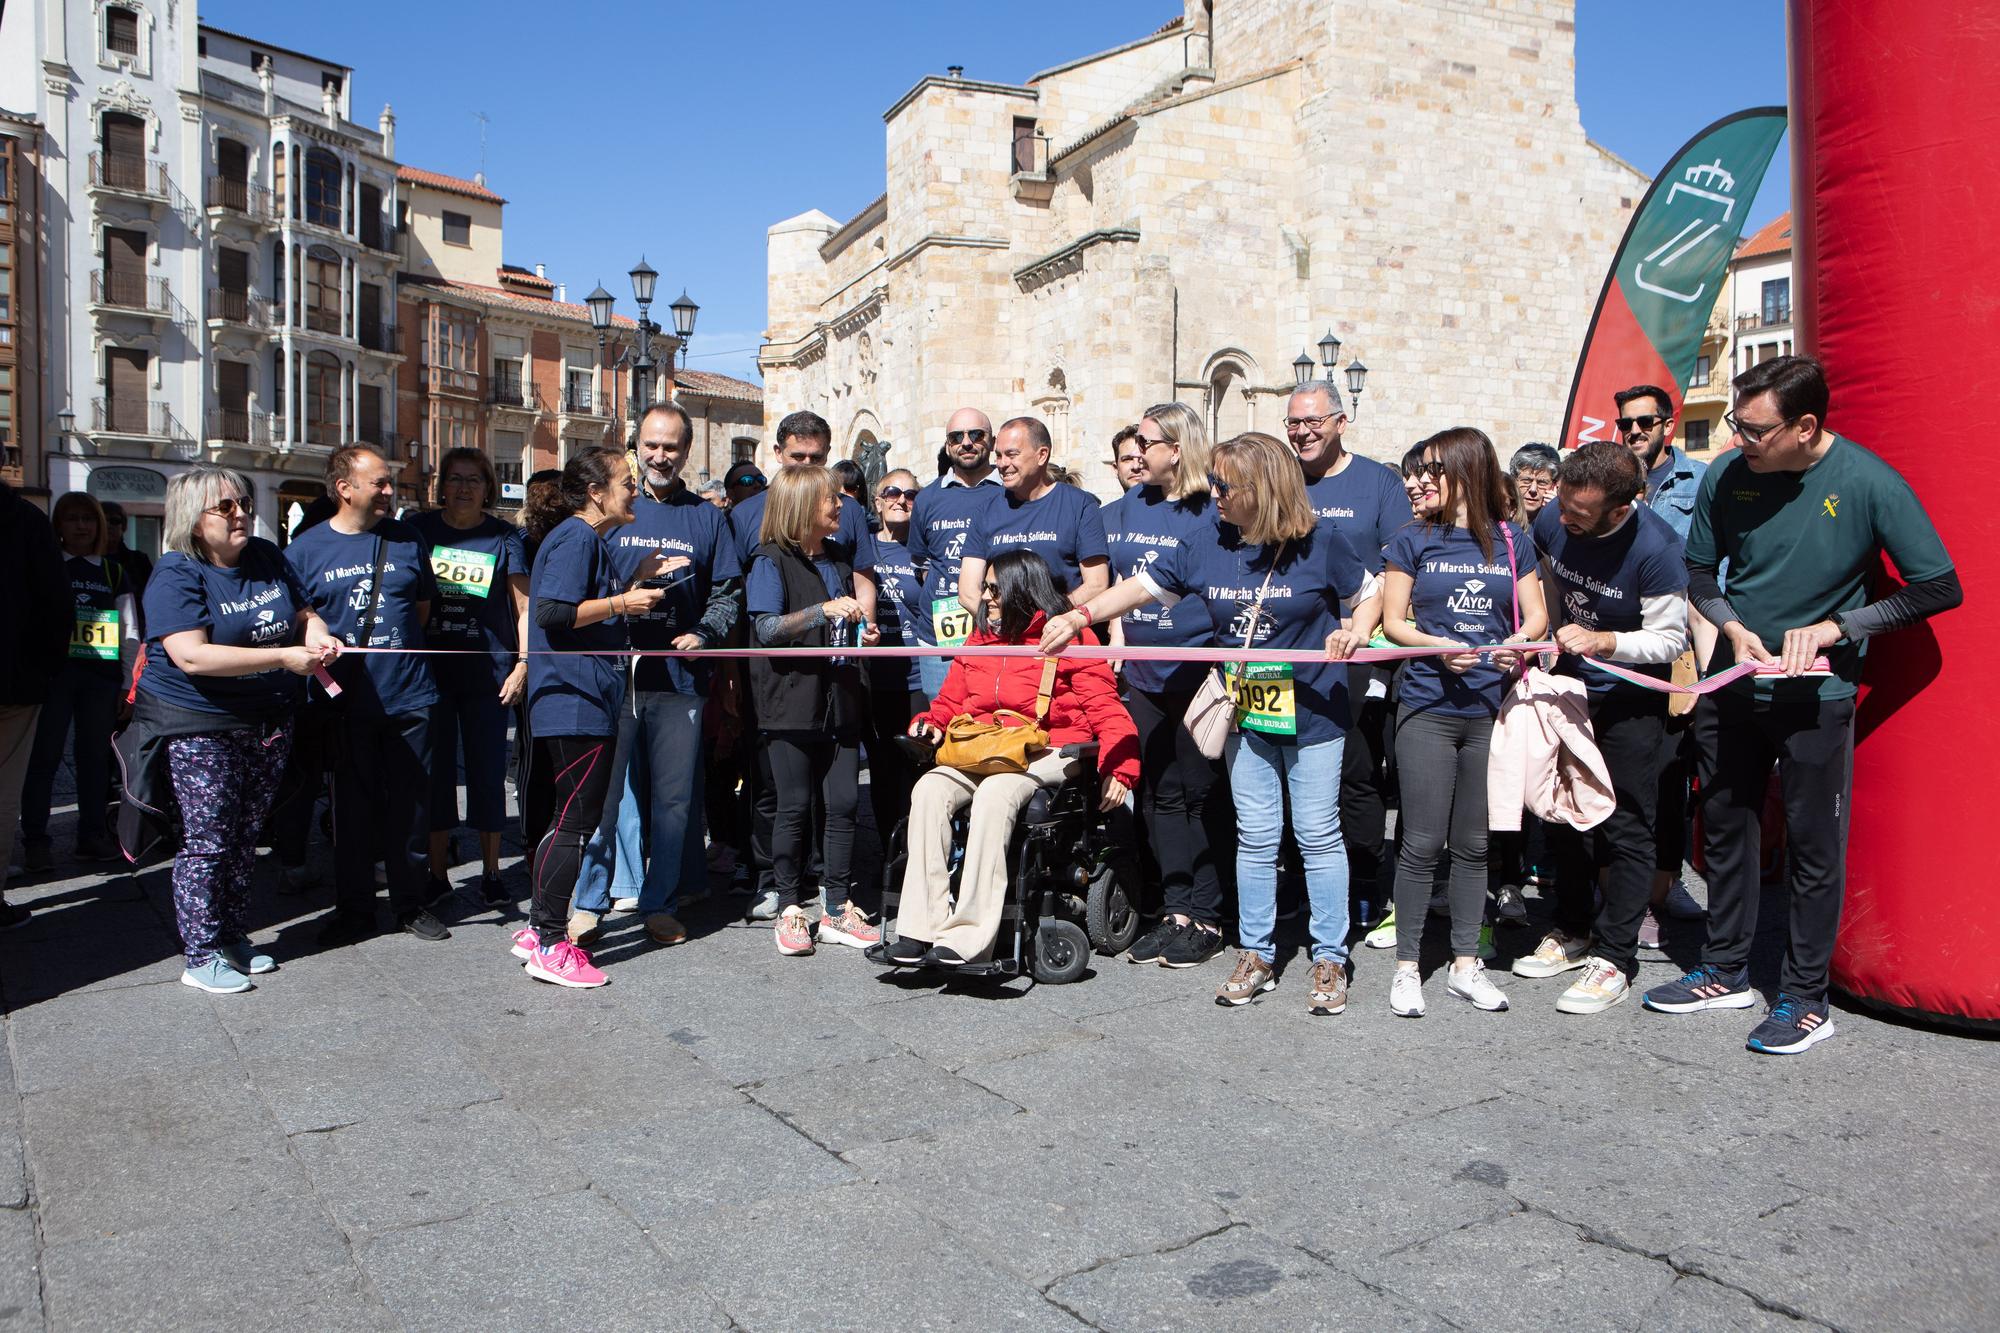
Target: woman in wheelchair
1017, 596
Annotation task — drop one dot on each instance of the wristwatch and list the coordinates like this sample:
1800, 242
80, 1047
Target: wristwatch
1838, 624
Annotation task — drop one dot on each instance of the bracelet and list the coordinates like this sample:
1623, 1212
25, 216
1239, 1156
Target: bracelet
1085, 608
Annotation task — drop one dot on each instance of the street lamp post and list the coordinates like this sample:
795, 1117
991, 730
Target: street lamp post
1357, 377
1302, 368
1329, 360
600, 302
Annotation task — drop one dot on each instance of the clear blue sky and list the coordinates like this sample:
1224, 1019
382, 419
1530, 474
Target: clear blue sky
755, 112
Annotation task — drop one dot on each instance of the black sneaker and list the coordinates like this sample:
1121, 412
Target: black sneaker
493, 893
341, 929
1192, 947
1792, 1027
38, 855
1148, 947
939, 956
1707, 987
1509, 905
905, 951
439, 890
423, 925
13, 916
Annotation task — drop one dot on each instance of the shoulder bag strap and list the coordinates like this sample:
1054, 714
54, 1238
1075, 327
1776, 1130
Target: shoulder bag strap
374, 593
1257, 607
1513, 575
1048, 688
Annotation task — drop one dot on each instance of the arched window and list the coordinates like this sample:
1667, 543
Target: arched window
742, 449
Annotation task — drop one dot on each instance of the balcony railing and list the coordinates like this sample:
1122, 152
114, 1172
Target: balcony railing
322, 319
1764, 320
131, 291
131, 175
452, 379
240, 197
236, 425
514, 391
239, 307
583, 402
381, 337
134, 416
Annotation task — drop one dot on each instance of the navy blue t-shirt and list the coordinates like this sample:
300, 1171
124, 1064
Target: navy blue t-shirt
1299, 609
255, 605
1462, 595
335, 569
1140, 527
1366, 501
1064, 527
899, 609
1601, 582
575, 695
746, 521
941, 521
683, 525
473, 568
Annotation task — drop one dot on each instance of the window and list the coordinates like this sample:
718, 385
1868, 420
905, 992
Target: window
1024, 145
322, 399
457, 229
1702, 370
201, 44
7, 404
371, 218
258, 60
509, 448
457, 425
322, 203
6, 179
742, 450
121, 31
1694, 435
371, 429
6, 282
577, 395
321, 281
1778, 301
509, 379
330, 83
454, 349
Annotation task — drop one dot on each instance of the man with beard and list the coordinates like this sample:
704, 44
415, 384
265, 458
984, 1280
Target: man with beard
944, 515
1646, 424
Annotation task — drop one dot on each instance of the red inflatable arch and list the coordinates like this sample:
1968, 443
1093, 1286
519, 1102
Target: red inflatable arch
1895, 118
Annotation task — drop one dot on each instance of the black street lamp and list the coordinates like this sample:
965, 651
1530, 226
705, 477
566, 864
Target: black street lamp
1329, 353
1357, 377
1302, 368
684, 313
644, 277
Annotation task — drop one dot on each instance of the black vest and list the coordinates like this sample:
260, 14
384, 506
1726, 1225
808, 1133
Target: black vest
808, 694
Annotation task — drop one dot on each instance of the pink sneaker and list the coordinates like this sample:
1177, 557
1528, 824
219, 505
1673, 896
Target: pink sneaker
526, 941
849, 927
565, 965
794, 932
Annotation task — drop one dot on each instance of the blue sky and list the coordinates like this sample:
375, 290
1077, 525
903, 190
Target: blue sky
753, 112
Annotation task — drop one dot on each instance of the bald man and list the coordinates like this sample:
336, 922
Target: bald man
945, 512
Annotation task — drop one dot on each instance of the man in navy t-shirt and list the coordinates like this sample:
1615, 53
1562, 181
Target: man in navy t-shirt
1616, 589
942, 520
1062, 524
658, 763
370, 580
1365, 501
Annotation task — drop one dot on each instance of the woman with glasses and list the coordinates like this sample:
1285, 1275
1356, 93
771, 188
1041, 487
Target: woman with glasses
481, 568
227, 618
1169, 505
1461, 576
895, 689
1533, 471
1270, 574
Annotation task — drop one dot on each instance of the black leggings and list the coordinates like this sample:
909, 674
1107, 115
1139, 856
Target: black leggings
579, 769
800, 764
1175, 780
891, 773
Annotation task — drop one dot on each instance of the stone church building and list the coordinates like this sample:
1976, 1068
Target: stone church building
1179, 217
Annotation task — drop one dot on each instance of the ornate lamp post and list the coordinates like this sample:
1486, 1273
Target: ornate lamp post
640, 355
1357, 377
1302, 368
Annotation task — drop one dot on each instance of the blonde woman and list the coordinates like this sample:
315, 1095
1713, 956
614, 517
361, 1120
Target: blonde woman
1271, 574
799, 593
1169, 505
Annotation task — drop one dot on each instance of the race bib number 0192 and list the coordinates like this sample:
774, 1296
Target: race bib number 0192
95, 636
951, 622
467, 573
1265, 697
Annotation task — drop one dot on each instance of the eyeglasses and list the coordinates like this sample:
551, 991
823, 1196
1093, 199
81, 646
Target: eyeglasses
1626, 425
894, 494
1754, 434
1219, 486
974, 436
1308, 423
229, 507
1530, 481
464, 481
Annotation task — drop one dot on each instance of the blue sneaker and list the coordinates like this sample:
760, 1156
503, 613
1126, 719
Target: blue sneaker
216, 977
1704, 988
243, 958
1792, 1025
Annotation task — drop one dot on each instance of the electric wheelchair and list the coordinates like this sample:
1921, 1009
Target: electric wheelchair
1072, 883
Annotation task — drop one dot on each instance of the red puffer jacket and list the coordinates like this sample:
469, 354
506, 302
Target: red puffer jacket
1083, 706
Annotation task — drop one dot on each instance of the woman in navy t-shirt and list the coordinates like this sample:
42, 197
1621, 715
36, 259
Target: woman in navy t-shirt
895, 685
576, 683
220, 684
1462, 575
1270, 574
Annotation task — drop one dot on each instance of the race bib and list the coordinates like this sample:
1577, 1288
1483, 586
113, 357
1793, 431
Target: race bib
467, 573
95, 636
1265, 698
951, 622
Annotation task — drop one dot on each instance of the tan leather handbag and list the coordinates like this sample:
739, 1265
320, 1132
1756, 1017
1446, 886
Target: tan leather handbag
982, 749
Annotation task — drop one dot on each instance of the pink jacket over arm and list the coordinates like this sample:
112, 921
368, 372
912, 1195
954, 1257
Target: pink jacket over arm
1545, 758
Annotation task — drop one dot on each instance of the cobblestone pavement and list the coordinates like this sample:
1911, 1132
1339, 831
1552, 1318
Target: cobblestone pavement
417, 1135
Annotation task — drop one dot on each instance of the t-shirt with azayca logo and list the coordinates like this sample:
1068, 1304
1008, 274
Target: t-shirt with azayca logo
337, 569
1459, 593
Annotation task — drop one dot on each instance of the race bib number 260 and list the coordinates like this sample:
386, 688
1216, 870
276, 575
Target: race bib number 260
467, 573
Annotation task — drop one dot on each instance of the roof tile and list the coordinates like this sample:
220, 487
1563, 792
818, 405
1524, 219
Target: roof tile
437, 180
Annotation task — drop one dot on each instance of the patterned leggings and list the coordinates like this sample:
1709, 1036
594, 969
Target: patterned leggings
224, 782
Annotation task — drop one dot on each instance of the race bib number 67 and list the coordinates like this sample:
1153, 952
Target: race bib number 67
951, 622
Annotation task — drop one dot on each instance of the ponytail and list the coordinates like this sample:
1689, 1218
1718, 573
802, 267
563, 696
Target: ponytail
590, 468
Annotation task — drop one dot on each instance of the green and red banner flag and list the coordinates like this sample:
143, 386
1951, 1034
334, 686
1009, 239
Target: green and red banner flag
1669, 270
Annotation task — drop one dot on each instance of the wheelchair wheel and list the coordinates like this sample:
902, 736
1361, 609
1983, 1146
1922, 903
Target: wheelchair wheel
1109, 914
1061, 951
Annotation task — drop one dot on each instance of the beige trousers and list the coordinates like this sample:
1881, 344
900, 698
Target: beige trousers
17, 739
927, 912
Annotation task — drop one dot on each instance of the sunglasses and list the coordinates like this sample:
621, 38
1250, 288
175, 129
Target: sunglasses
1432, 468
1629, 424
974, 436
745, 481
895, 493
1220, 487
228, 507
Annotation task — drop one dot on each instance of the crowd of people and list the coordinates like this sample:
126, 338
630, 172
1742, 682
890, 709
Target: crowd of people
640, 639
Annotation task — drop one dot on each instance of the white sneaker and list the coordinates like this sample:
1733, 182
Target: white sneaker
1472, 983
624, 904
1558, 952
1680, 904
764, 907
1406, 994
1602, 985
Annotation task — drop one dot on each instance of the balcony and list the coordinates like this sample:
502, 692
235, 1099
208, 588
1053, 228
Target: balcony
132, 293
512, 391
1771, 319
380, 337
454, 380
582, 402
226, 305
146, 419
236, 425
136, 177
227, 196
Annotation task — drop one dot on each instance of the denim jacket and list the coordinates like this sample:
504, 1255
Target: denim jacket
1674, 500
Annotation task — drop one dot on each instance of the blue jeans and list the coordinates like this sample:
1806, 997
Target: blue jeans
469, 713
932, 671
1261, 771
656, 782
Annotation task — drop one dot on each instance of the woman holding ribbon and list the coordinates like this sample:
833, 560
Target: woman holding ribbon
481, 567
1460, 577
1270, 574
